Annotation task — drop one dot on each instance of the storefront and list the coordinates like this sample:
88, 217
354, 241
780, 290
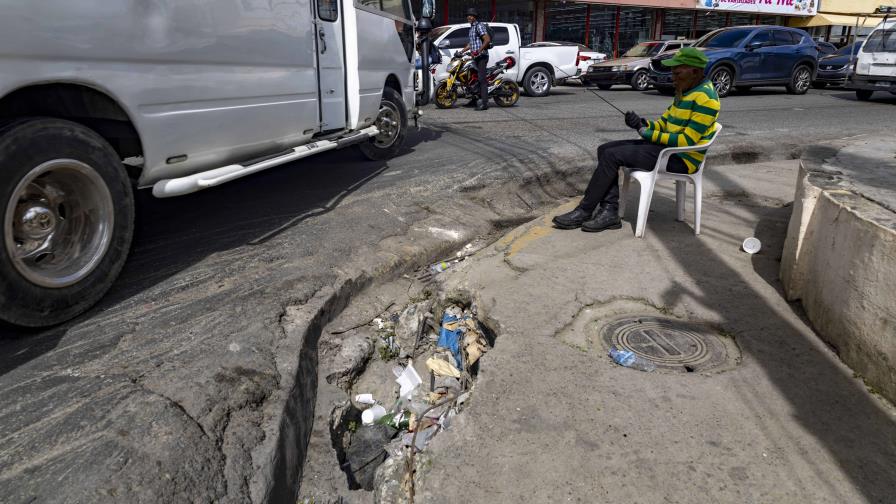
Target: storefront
613, 27
521, 12
839, 21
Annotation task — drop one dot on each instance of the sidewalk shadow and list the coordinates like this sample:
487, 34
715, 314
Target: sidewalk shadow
173, 234
826, 403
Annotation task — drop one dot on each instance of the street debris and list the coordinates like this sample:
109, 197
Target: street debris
372, 414
451, 352
751, 245
627, 358
428, 274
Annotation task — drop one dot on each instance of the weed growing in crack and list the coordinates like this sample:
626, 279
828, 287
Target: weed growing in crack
387, 353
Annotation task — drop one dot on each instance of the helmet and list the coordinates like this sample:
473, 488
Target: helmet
472, 12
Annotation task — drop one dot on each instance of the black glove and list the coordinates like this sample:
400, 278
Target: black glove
634, 121
458, 54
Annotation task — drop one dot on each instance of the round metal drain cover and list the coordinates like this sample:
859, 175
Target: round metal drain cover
670, 344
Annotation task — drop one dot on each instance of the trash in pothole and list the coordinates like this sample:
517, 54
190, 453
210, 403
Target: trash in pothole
381, 447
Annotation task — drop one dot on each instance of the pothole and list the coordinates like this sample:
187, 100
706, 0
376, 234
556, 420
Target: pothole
405, 376
669, 344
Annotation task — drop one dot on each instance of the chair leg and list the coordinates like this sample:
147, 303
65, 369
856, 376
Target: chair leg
681, 189
644, 206
698, 203
623, 196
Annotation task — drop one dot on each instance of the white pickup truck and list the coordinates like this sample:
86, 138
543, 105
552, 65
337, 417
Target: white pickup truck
537, 68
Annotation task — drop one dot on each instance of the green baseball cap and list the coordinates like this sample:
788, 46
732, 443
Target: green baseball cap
687, 56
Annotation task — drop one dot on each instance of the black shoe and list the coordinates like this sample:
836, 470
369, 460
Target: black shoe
472, 103
607, 218
482, 107
571, 220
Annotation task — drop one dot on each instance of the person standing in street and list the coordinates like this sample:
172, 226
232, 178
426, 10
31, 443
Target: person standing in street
478, 44
690, 120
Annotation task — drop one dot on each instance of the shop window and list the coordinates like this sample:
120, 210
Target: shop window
709, 21
740, 19
457, 11
566, 22
520, 12
634, 26
678, 23
602, 28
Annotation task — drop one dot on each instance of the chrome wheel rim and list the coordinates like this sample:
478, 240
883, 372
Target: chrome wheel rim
803, 80
722, 81
642, 81
58, 223
388, 122
538, 82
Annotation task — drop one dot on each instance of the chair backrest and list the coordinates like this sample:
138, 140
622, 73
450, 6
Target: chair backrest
713, 139
718, 132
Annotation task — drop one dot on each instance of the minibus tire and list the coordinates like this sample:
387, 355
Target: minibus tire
392, 121
67, 211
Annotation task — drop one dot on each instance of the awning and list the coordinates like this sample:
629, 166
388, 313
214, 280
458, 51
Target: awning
822, 19
852, 7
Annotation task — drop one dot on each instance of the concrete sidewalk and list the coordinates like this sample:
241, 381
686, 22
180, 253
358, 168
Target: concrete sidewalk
553, 419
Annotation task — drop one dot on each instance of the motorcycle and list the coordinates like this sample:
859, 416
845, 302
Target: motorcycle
463, 82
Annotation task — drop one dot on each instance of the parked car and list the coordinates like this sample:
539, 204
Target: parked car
875, 67
192, 94
632, 68
586, 58
537, 68
833, 70
745, 56
825, 48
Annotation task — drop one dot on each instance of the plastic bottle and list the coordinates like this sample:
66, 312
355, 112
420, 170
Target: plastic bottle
627, 358
439, 267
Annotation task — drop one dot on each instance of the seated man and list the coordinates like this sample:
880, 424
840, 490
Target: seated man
690, 120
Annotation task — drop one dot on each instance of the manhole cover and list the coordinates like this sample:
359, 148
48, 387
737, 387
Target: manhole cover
670, 344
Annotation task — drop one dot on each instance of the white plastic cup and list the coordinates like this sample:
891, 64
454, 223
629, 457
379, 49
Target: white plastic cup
365, 399
751, 245
372, 414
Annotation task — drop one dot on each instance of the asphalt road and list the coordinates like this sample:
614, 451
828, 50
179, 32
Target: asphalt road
201, 298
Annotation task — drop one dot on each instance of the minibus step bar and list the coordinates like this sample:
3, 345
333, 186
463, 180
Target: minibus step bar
191, 183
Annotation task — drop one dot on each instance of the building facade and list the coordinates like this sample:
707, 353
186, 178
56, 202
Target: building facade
841, 21
613, 27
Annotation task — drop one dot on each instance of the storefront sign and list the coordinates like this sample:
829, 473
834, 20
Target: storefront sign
778, 7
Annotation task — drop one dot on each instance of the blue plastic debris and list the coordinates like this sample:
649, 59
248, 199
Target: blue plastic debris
451, 339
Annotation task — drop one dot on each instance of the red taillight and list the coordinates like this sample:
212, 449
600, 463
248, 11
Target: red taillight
583, 58
510, 62
432, 71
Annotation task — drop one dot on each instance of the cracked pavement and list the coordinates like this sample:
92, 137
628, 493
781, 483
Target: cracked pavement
194, 377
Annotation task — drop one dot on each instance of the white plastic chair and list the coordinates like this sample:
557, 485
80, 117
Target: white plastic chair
648, 180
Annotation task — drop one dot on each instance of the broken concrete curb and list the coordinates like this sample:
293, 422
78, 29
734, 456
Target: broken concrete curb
839, 258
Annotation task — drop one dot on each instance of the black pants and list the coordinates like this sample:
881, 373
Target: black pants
481, 65
634, 154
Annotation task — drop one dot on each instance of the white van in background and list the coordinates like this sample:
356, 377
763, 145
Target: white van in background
192, 94
536, 69
875, 65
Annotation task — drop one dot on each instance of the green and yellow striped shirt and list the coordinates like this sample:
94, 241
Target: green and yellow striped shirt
689, 121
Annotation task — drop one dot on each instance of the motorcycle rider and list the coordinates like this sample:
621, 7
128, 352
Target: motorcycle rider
478, 45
